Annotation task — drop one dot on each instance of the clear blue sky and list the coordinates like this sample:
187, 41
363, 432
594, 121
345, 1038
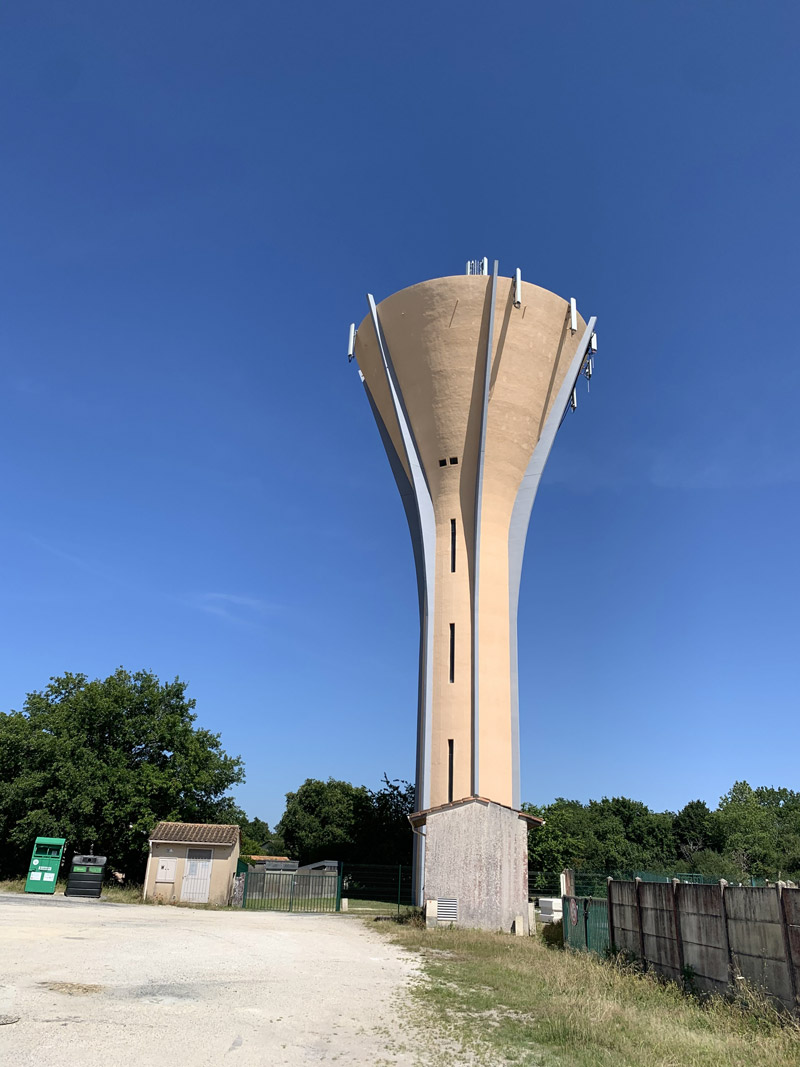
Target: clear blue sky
196, 197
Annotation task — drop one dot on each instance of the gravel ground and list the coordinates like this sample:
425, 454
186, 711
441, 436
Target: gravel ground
119, 984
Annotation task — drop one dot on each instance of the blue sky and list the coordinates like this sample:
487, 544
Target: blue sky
195, 199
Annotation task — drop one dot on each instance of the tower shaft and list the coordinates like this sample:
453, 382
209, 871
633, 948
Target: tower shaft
468, 389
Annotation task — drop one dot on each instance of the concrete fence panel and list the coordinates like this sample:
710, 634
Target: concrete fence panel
701, 919
659, 934
757, 941
622, 899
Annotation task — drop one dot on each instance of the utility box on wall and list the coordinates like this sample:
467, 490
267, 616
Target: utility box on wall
45, 863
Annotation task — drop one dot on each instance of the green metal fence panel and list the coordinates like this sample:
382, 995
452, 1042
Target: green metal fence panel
543, 884
375, 887
316, 891
585, 924
595, 883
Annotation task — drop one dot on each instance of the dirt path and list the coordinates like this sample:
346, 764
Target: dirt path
117, 984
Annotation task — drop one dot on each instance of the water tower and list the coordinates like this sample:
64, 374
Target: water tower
469, 379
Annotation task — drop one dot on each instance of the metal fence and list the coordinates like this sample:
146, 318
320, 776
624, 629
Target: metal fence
543, 884
292, 891
586, 924
375, 888
595, 883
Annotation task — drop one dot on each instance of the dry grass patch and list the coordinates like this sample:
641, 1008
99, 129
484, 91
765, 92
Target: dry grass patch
513, 1000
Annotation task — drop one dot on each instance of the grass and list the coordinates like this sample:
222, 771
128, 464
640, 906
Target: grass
508, 1000
129, 894
377, 907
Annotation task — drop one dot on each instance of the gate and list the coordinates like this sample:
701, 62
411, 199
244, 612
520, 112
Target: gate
319, 891
585, 922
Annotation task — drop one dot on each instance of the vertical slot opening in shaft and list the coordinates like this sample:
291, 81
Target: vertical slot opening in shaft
453, 545
450, 771
452, 651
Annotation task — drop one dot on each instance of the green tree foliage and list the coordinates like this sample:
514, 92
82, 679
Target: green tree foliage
259, 840
753, 833
337, 820
100, 762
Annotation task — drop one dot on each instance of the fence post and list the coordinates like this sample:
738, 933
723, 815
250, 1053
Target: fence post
291, 892
611, 937
676, 916
339, 889
787, 948
567, 883
244, 891
638, 897
399, 885
724, 910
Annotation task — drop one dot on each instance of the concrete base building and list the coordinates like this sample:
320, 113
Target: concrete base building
469, 378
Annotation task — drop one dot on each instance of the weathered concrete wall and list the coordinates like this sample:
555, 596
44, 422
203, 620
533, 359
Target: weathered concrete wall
756, 938
477, 853
715, 931
701, 920
659, 934
623, 908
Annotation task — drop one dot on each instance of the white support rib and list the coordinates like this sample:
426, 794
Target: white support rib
518, 532
476, 554
427, 563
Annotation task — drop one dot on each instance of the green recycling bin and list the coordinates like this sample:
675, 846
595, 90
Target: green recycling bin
45, 862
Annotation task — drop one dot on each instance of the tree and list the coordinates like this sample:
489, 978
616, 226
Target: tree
100, 762
259, 840
337, 820
695, 829
324, 820
603, 835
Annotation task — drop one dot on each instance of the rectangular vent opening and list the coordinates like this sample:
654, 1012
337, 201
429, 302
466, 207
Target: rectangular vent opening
450, 771
454, 460
452, 651
442, 462
453, 545
447, 909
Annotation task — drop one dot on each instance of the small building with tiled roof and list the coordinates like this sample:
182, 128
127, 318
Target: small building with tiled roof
192, 862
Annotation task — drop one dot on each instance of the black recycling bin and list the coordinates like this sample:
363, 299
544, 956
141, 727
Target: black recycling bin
85, 876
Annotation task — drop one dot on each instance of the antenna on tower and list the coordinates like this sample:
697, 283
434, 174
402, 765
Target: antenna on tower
478, 266
517, 288
573, 314
351, 343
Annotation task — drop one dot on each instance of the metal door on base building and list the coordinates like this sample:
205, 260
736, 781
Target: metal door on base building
197, 875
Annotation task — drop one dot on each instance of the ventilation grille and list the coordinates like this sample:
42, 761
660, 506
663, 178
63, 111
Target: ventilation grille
447, 910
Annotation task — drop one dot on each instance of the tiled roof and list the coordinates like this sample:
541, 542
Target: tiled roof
419, 818
281, 859
190, 833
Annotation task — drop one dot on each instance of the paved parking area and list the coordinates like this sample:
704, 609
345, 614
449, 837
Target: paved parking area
121, 985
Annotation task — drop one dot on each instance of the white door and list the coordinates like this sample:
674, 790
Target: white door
197, 875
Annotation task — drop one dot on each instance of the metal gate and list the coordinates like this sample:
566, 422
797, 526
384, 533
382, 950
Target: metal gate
197, 875
290, 891
585, 921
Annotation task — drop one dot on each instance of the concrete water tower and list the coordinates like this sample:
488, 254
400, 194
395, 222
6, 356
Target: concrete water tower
469, 378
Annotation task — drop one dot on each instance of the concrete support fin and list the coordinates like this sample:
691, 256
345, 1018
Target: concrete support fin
423, 532
518, 532
477, 552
